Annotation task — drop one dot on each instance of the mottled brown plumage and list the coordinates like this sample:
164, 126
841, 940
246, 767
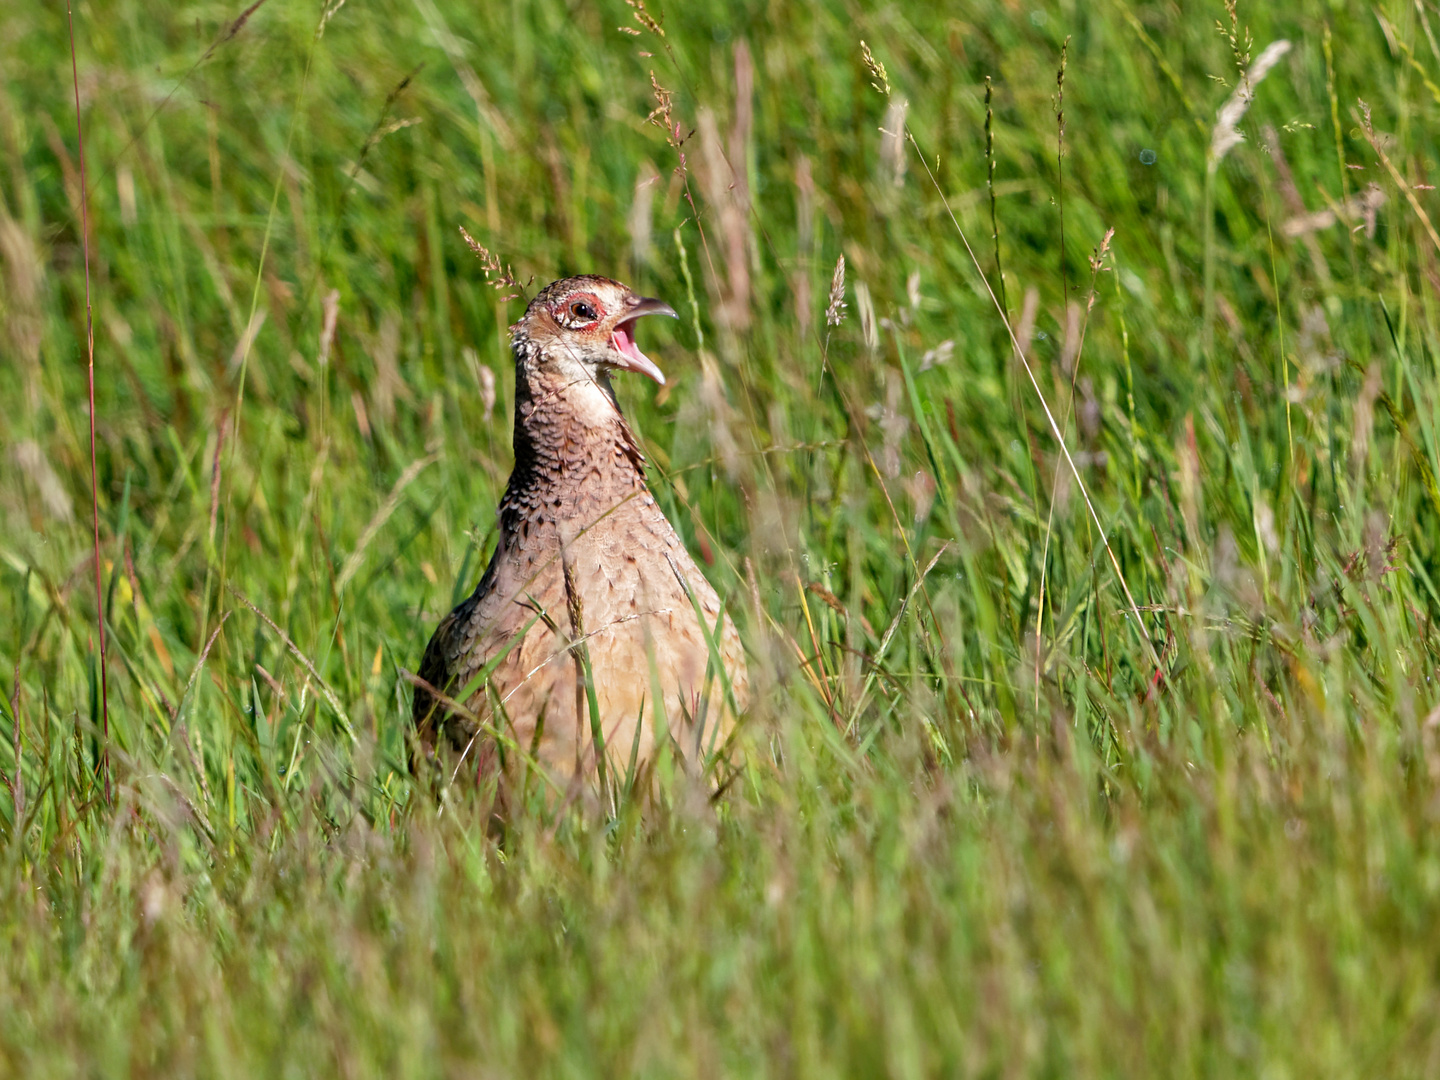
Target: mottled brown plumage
586, 563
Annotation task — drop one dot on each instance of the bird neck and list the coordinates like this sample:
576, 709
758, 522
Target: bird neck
574, 452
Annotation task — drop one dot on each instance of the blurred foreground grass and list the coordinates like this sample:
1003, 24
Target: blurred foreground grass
958, 846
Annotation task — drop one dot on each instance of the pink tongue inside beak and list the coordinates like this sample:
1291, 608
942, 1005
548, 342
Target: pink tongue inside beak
622, 341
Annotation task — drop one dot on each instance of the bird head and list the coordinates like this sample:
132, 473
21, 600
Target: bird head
584, 327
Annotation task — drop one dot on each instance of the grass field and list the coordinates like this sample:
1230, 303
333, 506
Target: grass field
1117, 761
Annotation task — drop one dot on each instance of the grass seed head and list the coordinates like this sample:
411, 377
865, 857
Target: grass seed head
1227, 134
878, 79
501, 277
663, 115
835, 309
644, 18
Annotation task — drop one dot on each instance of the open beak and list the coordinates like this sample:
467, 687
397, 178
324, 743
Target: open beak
622, 338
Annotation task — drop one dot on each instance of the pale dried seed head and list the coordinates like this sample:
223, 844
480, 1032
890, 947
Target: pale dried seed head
892, 147
1089, 415
1070, 344
727, 199
1097, 258
125, 189
642, 244
644, 18
894, 425
362, 414
31, 460
835, 309
1227, 135
487, 390
484, 380
1265, 525
24, 268
1240, 41
384, 350
878, 79
329, 13
865, 307
804, 205
713, 400
398, 125
938, 355
920, 487
1378, 545
1371, 200
1362, 207
247, 339
663, 115
501, 277
21, 319
331, 308
1029, 311
804, 241
1363, 420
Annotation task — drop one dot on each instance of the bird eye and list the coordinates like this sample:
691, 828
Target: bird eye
582, 310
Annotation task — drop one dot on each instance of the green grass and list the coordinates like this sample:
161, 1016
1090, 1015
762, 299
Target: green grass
942, 856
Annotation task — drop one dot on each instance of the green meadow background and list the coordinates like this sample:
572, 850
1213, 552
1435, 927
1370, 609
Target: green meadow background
1120, 763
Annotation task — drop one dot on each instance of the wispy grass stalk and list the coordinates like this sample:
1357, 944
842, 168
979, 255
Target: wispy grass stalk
104, 763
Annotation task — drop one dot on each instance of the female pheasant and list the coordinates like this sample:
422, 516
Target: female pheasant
587, 573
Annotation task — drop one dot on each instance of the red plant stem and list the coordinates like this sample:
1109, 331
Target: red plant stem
90, 350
